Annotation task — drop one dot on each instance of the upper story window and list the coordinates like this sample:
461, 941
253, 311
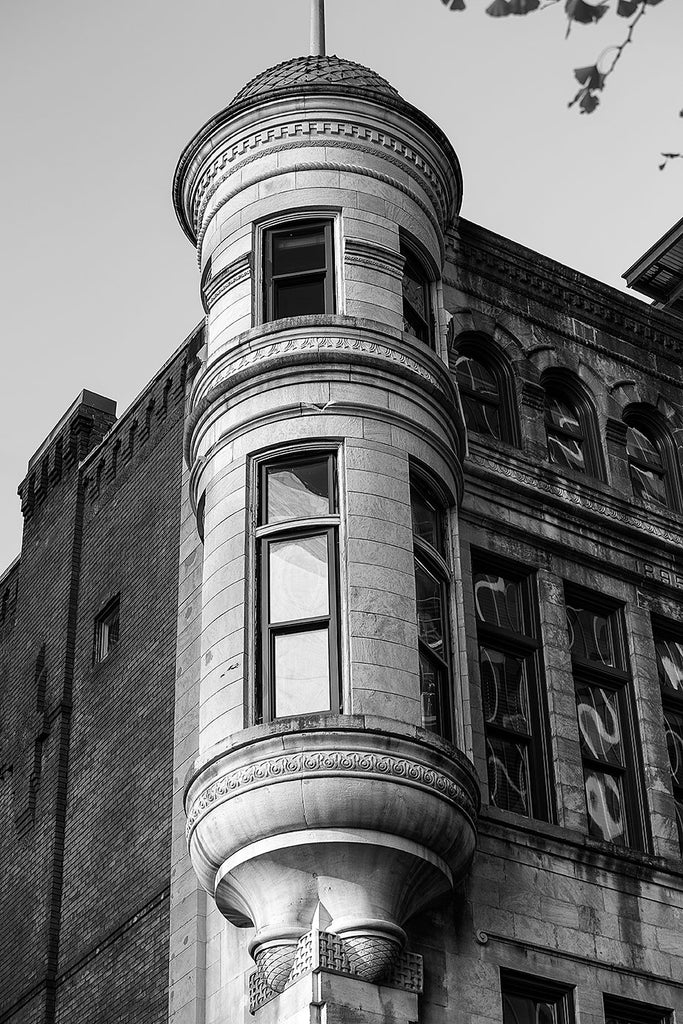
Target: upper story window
485, 390
651, 460
669, 648
418, 317
431, 588
605, 718
297, 555
570, 428
512, 697
627, 1011
107, 626
298, 270
530, 1000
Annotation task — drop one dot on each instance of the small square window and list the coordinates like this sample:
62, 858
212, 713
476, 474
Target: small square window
529, 1000
628, 1011
107, 630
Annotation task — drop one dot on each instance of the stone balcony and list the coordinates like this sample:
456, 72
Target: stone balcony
347, 823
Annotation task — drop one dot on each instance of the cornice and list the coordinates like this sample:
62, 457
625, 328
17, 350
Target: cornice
363, 253
213, 288
560, 288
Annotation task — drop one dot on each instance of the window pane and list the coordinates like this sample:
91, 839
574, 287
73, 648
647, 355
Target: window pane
498, 601
673, 725
562, 415
299, 298
474, 376
426, 520
508, 771
670, 664
591, 636
647, 484
431, 695
302, 673
527, 1010
481, 417
298, 492
605, 806
429, 609
504, 686
414, 290
599, 727
566, 451
298, 578
641, 448
295, 252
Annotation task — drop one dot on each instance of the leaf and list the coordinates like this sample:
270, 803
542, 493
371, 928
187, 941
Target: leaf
524, 6
454, 5
585, 13
626, 8
499, 8
588, 103
653, 2
590, 77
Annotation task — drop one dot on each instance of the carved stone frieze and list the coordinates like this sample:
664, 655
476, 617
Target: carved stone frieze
316, 763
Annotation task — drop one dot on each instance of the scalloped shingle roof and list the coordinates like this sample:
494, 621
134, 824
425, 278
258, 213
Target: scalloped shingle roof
316, 71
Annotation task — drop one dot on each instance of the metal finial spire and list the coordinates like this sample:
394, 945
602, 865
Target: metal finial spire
317, 27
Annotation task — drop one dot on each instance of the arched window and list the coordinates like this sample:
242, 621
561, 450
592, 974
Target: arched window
570, 427
485, 390
651, 461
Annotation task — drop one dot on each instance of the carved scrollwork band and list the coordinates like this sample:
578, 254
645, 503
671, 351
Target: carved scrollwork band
326, 132
349, 763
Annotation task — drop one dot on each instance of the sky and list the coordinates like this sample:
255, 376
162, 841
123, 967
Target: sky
98, 285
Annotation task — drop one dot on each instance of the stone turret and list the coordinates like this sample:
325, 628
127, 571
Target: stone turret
325, 443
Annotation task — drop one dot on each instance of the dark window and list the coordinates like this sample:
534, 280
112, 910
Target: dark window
605, 719
107, 630
511, 692
570, 428
299, 269
417, 304
528, 1000
627, 1011
669, 648
431, 591
297, 541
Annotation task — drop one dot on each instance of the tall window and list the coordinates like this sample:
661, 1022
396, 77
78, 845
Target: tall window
417, 304
669, 647
485, 387
605, 718
107, 629
651, 462
570, 429
431, 588
528, 1000
513, 703
298, 271
297, 540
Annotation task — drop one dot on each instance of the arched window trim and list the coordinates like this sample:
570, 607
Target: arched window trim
571, 390
649, 422
484, 350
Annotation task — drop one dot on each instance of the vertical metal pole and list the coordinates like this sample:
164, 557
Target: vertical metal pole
317, 27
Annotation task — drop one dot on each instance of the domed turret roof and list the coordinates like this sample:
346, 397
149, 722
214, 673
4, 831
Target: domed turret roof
316, 74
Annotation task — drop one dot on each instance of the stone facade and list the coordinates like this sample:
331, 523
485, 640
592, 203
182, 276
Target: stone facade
174, 849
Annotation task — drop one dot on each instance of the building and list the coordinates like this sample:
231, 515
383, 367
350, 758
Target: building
342, 675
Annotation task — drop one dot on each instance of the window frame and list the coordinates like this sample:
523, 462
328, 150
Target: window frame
423, 330
515, 983
616, 680
527, 646
631, 1011
571, 392
484, 351
648, 422
265, 534
297, 221
106, 639
666, 632
434, 560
